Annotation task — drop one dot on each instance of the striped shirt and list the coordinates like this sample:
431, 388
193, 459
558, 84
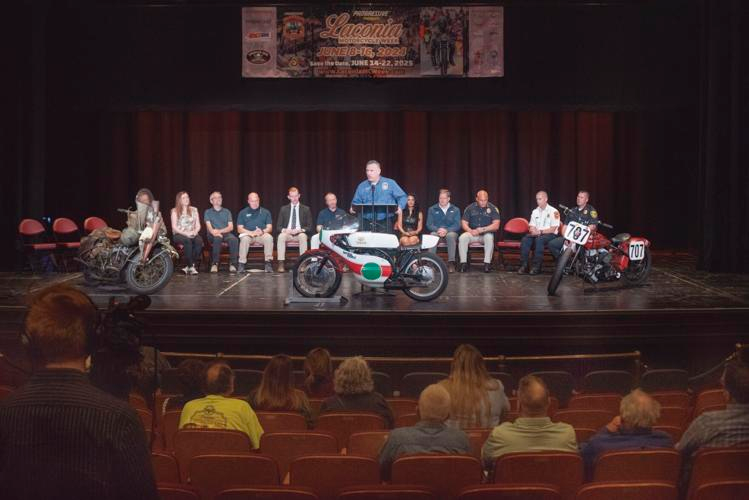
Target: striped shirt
716, 429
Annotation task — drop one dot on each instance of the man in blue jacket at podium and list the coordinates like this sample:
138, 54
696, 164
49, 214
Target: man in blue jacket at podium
378, 190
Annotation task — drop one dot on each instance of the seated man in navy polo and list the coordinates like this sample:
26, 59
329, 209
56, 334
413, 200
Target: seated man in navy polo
219, 226
443, 220
254, 225
480, 222
326, 215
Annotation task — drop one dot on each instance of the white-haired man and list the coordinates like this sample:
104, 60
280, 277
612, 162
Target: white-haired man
430, 435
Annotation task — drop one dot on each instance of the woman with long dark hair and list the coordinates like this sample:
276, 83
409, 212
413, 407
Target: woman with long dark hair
410, 222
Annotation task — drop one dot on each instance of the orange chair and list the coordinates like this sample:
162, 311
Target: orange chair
212, 474
327, 474
386, 492
510, 492
146, 418
343, 424
680, 399
68, 238
603, 402
706, 409
5, 391
638, 465
189, 443
366, 444
280, 421
674, 416
582, 434
477, 438
169, 491
561, 469
268, 493
402, 406
32, 235
584, 419
91, 224
285, 447
719, 464
517, 227
169, 427
628, 490
445, 474
710, 397
137, 401
165, 468
720, 490
407, 420
674, 432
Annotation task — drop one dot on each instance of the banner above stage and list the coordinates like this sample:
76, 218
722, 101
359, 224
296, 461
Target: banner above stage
319, 41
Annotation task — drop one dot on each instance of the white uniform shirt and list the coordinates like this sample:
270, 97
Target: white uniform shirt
546, 218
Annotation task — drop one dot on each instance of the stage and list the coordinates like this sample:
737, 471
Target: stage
678, 312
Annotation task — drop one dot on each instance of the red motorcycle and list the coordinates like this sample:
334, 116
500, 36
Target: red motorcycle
593, 257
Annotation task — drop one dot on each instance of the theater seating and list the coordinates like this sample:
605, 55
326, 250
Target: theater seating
510, 492
561, 469
213, 473
285, 447
628, 490
387, 492
189, 443
366, 444
279, 421
268, 493
327, 474
445, 474
638, 465
343, 424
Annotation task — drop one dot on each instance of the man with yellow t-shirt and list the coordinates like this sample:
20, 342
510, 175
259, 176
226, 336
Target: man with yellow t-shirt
219, 411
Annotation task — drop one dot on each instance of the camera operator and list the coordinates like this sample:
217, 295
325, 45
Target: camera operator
61, 437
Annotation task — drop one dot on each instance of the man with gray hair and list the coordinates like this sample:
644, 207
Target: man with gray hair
430, 435
631, 430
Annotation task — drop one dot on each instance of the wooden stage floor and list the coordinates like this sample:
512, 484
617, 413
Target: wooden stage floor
678, 306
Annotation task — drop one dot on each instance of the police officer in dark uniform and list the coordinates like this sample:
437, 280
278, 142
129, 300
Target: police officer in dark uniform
584, 213
480, 222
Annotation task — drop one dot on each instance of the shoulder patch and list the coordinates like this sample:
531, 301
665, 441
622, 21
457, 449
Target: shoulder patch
556, 214
594, 214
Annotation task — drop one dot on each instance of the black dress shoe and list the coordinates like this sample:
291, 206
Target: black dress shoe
487, 268
523, 269
463, 267
535, 270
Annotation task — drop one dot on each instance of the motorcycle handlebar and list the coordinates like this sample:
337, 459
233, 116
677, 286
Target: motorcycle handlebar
600, 223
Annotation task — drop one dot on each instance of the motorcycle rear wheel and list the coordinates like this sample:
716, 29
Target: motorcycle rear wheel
313, 278
638, 273
148, 278
556, 278
429, 262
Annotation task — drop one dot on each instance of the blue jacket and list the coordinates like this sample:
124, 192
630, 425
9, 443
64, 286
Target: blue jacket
634, 439
387, 192
436, 218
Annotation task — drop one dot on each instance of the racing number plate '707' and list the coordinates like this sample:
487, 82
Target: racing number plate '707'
577, 233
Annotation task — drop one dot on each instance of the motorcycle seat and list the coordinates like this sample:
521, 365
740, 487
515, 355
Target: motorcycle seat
621, 238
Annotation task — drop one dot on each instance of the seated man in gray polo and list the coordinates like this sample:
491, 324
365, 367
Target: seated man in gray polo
254, 225
219, 227
430, 435
443, 220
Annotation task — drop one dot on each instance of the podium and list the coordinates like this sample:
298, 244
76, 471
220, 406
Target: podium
376, 218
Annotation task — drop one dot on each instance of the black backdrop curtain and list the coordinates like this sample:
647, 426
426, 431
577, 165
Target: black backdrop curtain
724, 137
631, 162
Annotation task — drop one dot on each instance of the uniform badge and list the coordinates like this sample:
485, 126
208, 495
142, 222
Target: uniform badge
384, 185
594, 214
585, 211
488, 210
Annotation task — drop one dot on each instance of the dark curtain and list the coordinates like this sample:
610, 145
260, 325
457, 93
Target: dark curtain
633, 163
724, 137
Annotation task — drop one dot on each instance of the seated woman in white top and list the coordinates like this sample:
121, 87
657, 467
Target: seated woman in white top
186, 231
477, 400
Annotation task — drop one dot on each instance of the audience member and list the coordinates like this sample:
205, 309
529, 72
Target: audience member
277, 392
318, 374
217, 410
190, 374
354, 391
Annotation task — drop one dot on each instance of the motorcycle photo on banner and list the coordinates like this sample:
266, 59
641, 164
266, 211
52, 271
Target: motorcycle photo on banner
595, 258
376, 260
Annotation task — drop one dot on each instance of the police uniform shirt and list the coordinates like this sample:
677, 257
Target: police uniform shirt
585, 215
480, 217
386, 192
545, 218
254, 218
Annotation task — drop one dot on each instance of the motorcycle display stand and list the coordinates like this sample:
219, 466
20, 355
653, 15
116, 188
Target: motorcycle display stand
295, 297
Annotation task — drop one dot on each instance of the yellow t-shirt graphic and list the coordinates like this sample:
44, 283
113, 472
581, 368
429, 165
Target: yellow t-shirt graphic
219, 412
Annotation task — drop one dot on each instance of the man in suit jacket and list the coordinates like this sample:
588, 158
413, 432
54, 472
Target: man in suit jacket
294, 224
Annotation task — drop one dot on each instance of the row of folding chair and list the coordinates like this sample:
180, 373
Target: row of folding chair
447, 474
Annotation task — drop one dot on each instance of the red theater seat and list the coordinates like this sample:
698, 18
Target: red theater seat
719, 464
327, 474
627, 491
516, 227
584, 419
285, 447
177, 492
722, 490
93, 223
638, 465
343, 424
189, 443
445, 474
165, 468
366, 444
601, 402
510, 492
278, 421
268, 493
387, 492
561, 469
212, 474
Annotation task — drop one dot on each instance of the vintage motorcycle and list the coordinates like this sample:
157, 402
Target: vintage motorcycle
595, 258
375, 259
107, 260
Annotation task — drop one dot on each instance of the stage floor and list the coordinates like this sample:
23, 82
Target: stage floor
498, 310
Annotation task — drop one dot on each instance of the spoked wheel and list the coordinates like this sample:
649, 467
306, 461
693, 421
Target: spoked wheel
638, 270
316, 276
432, 274
149, 277
556, 278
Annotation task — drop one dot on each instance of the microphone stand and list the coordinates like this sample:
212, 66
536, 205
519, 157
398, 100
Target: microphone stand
374, 215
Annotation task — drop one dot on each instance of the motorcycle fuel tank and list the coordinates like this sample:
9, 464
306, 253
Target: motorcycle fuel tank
364, 239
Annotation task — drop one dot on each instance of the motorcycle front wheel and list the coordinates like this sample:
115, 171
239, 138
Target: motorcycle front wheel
316, 276
433, 272
638, 271
150, 277
556, 278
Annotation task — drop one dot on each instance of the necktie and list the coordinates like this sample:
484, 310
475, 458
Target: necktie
293, 217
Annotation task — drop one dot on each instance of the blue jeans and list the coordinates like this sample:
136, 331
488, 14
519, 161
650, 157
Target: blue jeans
538, 243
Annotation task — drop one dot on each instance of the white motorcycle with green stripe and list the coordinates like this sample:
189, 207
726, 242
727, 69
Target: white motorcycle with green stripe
376, 260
